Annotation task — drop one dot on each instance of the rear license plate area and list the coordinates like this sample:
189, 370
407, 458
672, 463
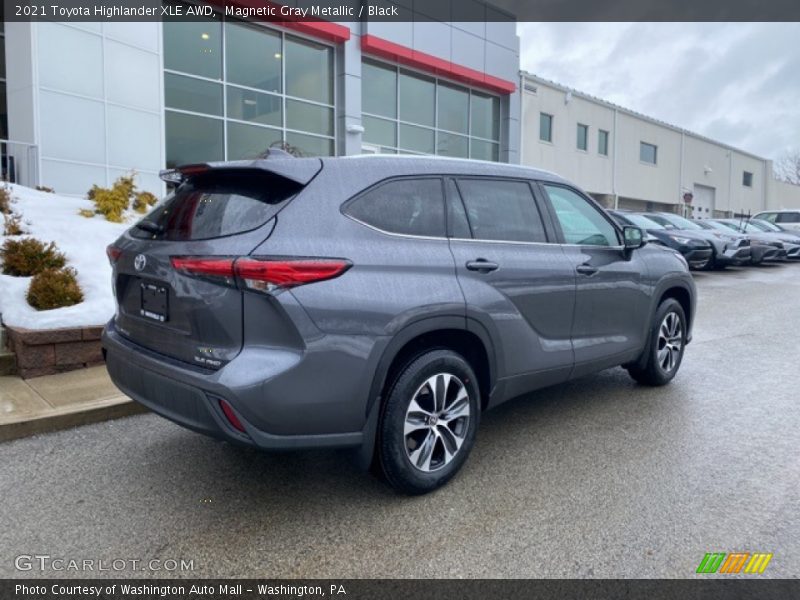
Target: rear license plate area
154, 302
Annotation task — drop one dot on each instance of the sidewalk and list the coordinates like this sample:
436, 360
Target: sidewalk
53, 402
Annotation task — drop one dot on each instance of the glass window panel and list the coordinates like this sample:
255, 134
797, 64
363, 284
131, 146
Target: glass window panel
310, 145
196, 95
379, 131
545, 127
580, 222
407, 206
2, 56
249, 141
453, 109
378, 90
602, 142
457, 224
501, 210
309, 117
450, 144
194, 47
253, 57
192, 139
485, 116
417, 99
747, 179
309, 70
417, 139
247, 105
482, 150
583, 136
648, 153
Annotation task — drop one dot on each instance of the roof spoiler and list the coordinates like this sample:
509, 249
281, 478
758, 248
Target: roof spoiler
277, 161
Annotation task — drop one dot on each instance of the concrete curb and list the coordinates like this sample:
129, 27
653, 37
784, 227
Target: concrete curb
68, 417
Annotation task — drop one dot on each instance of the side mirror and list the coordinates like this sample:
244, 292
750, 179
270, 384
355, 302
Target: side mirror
633, 237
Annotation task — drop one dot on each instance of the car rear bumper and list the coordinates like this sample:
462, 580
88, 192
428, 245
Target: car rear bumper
191, 396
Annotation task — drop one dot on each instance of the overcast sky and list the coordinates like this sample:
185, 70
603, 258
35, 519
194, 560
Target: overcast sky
735, 82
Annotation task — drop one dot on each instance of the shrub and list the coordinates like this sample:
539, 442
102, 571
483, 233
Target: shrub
143, 200
23, 258
44, 188
113, 202
86, 212
12, 225
54, 288
5, 200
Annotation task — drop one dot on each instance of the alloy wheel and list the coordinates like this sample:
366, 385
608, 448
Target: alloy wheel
670, 342
436, 422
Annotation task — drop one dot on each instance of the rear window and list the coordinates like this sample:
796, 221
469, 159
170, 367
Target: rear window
405, 206
788, 217
217, 205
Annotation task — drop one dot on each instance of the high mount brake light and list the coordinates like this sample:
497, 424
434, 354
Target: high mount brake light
263, 275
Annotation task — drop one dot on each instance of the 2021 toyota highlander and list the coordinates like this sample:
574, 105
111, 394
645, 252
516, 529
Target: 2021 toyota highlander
381, 303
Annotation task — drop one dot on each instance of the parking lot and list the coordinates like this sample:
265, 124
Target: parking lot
595, 478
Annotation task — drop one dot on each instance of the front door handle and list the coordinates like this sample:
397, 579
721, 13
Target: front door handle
482, 265
586, 270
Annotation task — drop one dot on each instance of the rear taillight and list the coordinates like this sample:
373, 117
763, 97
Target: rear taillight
267, 275
113, 253
261, 274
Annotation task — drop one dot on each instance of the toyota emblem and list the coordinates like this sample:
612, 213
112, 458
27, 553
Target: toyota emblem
139, 262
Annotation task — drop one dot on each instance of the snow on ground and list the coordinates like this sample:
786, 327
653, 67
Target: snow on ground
50, 217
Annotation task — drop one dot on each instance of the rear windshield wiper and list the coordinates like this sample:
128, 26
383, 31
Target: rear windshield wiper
149, 226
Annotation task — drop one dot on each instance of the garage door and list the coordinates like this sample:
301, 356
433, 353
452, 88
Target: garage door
703, 202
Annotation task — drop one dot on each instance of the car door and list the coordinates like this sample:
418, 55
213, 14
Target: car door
519, 286
611, 300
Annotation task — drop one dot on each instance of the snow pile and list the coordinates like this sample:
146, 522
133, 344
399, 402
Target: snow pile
50, 217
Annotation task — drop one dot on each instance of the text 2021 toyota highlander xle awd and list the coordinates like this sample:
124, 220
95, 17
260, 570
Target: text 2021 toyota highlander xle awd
381, 303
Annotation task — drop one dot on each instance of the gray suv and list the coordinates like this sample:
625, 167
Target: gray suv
381, 303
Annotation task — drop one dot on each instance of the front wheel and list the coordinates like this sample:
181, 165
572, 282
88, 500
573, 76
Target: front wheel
429, 422
666, 345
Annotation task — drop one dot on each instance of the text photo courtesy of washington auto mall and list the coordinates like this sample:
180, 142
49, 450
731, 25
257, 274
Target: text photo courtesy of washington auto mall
399, 299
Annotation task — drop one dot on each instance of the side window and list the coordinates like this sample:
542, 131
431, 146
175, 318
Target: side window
502, 210
769, 217
457, 224
406, 206
788, 217
580, 222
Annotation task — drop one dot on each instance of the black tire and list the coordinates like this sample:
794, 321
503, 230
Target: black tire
395, 448
711, 265
659, 368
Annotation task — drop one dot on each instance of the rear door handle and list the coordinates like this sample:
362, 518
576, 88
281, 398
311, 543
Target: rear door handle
586, 269
482, 265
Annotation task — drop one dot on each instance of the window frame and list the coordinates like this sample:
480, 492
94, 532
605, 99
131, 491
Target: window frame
601, 133
391, 179
745, 178
642, 144
282, 130
549, 139
547, 228
579, 128
551, 211
397, 122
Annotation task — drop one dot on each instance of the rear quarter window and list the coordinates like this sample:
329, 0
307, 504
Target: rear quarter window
217, 205
405, 206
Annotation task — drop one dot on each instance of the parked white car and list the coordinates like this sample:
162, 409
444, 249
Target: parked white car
786, 219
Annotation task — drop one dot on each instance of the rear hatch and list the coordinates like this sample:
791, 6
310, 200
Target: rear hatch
215, 215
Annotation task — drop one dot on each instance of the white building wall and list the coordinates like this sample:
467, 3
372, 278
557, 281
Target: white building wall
685, 161
90, 96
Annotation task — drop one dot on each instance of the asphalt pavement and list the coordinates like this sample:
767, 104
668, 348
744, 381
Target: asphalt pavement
596, 478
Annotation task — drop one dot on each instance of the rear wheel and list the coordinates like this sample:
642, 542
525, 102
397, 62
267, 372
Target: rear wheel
667, 343
429, 422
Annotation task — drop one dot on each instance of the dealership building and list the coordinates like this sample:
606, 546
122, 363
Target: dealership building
82, 103
88, 101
